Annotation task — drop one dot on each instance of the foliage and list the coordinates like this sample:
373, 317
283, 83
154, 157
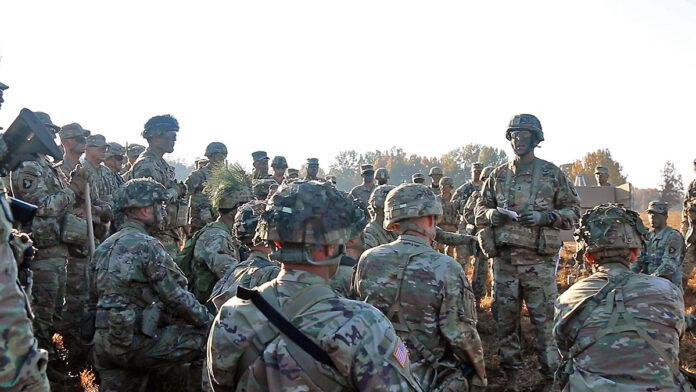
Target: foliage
181, 168
586, 167
672, 185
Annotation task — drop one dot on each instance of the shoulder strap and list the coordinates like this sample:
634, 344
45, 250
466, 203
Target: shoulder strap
536, 179
348, 261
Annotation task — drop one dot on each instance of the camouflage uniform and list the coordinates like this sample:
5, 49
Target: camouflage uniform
252, 272
110, 181
435, 175
362, 192
215, 252
132, 152
201, 212
145, 317
688, 230
375, 233
71, 131
524, 267
617, 330
245, 351
424, 294
663, 252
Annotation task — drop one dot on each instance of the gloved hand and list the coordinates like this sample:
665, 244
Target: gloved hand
22, 247
106, 214
535, 218
79, 178
496, 217
476, 384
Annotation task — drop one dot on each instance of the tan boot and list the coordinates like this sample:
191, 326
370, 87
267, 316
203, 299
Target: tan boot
511, 385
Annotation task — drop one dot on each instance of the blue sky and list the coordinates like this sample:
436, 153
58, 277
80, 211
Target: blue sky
311, 78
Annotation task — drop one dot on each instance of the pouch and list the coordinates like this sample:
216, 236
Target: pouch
45, 232
74, 230
121, 329
549, 241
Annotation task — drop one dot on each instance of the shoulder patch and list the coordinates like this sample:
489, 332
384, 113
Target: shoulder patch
672, 250
401, 353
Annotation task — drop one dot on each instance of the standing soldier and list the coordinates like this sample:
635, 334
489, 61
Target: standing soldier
375, 233
160, 132
145, 317
664, 248
602, 176
114, 162
418, 178
688, 228
312, 169
200, 211
435, 176
41, 183
279, 165
450, 216
461, 194
294, 332
132, 153
524, 267
424, 294
363, 191
73, 138
260, 165
382, 176
618, 330
292, 174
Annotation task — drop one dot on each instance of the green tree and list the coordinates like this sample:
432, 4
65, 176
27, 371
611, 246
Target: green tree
672, 185
586, 167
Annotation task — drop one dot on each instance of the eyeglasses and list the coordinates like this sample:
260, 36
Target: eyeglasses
520, 134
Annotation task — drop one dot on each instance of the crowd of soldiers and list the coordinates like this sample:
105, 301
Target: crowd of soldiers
273, 282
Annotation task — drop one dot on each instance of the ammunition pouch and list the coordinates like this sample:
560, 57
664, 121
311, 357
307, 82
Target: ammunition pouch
544, 240
549, 241
45, 232
121, 325
151, 318
74, 230
177, 214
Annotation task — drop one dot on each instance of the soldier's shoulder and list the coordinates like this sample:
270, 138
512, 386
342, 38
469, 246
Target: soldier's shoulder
380, 252
550, 167
673, 234
28, 167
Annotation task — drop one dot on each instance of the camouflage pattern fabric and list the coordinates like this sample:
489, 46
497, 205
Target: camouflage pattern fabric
369, 361
376, 235
150, 165
462, 194
521, 273
362, 192
215, 252
252, 272
67, 165
662, 255
343, 278
622, 360
109, 182
43, 185
436, 303
133, 278
687, 227
479, 280
201, 210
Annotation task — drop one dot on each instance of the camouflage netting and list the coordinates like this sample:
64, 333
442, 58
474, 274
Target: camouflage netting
140, 192
247, 218
228, 186
609, 226
162, 123
309, 212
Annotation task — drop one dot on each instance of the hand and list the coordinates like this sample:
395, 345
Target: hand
534, 218
79, 178
496, 217
106, 214
22, 247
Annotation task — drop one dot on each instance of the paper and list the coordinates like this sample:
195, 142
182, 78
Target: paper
510, 213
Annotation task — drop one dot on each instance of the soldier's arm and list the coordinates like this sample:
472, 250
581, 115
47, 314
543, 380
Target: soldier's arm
566, 204
486, 202
672, 257
229, 337
218, 253
193, 183
468, 212
163, 275
458, 318
454, 239
28, 184
370, 241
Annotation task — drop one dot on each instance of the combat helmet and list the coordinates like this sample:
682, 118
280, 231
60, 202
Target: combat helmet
228, 187
215, 148
375, 203
382, 174
140, 192
446, 181
409, 201
609, 227
435, 171
158, 124
247, 219
527, 122
302, 214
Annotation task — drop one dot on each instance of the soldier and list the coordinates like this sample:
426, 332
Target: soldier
342, 279
262, 188
331, 179
279, 165
200, 162
73, 138
257, 269
145, 317
200, 211
544, 201
312, 169
688, 228
602, 175
132, 153
114, 161
435, 176
260, 164
375, 233
618, 330
95, 153
664, 247
41, 183
216, 250
160, 132
424, 294
292, 174
320, 350
3, 87
450, 216
461, 194
363, 191
382, 176
418, 178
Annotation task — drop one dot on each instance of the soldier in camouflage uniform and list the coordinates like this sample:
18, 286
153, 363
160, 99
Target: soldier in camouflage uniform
95, 153
132, 153
459, 199
262, 188
114, 161
525, 249
435, 175
688, 229
292, 174
260, 165
450, 216
382, 176
279, 166
664, 247
200, 211
418, 178
312, 169
341, 282
160, 132
618, 330
424, 294
308, 222
331, 179
145, 317
216, 250
42, 183
73, 138
375, 233
602, 176
363, 191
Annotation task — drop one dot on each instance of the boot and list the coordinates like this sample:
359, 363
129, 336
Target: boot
511, 384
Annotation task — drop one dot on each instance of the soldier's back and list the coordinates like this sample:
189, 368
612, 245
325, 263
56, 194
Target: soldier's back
256, 270
376, 234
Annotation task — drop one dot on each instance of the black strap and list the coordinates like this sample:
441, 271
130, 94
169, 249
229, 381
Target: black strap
285, 326
348, 261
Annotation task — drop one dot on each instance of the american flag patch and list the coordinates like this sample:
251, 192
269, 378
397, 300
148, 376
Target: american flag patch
401, 353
